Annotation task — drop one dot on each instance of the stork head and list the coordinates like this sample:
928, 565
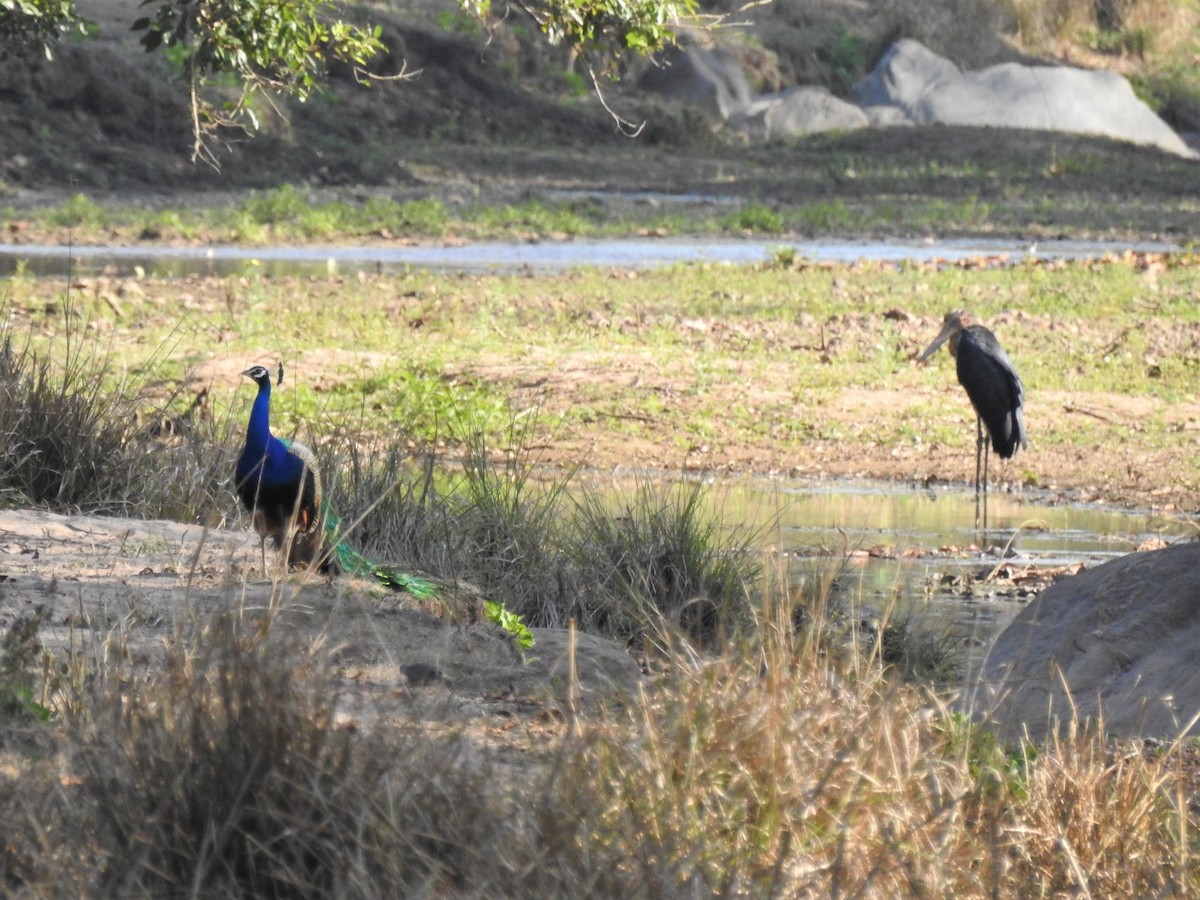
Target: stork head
953, 323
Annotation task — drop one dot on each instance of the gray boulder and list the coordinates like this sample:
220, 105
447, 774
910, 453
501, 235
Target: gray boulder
802, 110
1118, 643
902, 78
709, 77
928, 90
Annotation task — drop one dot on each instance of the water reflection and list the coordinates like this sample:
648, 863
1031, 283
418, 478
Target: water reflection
535, 258
904, 550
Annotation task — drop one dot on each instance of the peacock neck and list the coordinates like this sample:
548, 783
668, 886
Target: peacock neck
258, 431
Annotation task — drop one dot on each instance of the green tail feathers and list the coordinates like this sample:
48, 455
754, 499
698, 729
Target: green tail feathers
347, 560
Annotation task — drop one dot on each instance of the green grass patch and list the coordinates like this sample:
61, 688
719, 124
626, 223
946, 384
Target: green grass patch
989, 182
419, 355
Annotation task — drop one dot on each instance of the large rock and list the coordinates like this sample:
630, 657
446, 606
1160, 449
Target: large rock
1118, 643
930, 90
802, 110
709, 77
902, 78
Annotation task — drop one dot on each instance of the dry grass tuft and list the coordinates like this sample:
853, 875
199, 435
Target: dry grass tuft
784, 775
232, 774
72, 437
1100, 821
784, 767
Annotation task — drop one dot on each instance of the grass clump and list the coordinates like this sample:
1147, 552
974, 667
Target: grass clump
61, 432
78, 211
287, 213
755, 217
658, 550
234, 759
74, 439
551, 547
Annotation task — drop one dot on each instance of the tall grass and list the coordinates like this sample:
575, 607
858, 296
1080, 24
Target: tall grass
660, 553
73, 438
240, 769
551, 546
772, 769
59, 430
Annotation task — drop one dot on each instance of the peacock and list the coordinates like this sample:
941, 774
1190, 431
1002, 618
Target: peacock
279, 483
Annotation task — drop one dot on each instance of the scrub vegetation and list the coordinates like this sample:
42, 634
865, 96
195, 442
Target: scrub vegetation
775, 750
779, 765
475, 427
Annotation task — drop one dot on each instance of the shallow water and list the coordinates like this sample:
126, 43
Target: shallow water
534, 258
865, 529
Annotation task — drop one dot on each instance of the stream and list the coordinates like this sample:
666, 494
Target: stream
533, 258
902, 550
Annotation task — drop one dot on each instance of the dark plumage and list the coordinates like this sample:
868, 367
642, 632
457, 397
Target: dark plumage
993, 386
280, 485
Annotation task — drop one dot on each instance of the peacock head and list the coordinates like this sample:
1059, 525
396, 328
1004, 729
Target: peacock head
260, 375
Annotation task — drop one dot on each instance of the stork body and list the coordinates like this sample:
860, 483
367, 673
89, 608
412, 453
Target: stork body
994, 389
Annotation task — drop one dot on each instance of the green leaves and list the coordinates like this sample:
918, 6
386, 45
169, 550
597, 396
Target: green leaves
279, 47
270, 44
604, 28
26, 24
512, 623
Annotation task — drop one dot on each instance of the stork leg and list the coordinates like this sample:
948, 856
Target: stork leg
987, 458
978, 458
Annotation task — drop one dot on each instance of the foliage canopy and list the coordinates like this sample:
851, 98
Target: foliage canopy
269, 47
230, 51
30, 24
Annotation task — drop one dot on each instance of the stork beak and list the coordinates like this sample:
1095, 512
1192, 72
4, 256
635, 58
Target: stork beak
948, 328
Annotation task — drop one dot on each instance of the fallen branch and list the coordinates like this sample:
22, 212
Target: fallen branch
1068, 407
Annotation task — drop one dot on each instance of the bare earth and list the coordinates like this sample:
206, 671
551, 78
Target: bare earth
121, 586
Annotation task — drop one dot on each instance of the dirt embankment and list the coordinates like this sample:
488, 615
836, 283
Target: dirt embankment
494, 117
121, 589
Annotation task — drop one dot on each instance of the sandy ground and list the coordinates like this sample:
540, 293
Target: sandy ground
120, 586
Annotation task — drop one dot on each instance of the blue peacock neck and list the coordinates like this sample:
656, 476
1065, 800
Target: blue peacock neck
258, 431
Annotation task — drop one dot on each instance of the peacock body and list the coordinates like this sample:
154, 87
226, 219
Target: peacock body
279, 484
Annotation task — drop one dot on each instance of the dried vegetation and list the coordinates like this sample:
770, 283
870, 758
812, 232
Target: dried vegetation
770, 758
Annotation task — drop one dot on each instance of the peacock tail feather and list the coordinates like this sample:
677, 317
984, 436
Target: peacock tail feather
348, 560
